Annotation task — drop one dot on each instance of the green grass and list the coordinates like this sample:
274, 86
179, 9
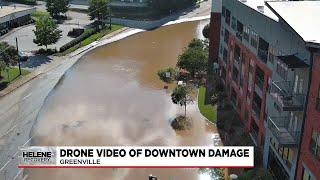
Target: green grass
208, 111
13, 74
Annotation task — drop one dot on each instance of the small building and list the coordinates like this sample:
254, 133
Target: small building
12, 16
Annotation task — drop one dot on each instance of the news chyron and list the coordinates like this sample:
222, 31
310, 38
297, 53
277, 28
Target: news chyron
136, 157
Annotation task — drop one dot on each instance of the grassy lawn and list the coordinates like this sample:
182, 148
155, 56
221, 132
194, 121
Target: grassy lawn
93, 38
209, 111
13, 74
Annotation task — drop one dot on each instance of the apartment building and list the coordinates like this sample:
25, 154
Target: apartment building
268, 54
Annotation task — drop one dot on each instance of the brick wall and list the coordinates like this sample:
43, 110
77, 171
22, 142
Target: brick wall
312, 121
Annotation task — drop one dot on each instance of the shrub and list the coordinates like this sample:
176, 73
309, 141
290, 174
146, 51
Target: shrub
87, 33
42, 51
167, 75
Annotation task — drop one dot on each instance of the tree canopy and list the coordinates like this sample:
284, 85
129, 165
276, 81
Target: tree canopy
206, 31
167, 75
194, 59
98, 9
8, 54
55, 7
46, 32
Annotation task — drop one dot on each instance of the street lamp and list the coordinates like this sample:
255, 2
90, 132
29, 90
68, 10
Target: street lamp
18, 57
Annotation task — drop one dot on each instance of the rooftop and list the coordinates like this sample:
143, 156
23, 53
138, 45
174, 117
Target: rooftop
260, 6
6, 10
302, 16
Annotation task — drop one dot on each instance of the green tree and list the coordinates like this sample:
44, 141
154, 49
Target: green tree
256, 174
194, 60
99, 10
181, 96
8, 54
167, 75
206, 31
46, 32
56, 7
196, 43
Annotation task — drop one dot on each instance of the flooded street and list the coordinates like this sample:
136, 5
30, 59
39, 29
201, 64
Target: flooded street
113, 96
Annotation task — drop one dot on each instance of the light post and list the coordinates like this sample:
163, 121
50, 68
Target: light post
18, 57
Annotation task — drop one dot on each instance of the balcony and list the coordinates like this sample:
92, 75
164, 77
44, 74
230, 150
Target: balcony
281, 91
279, 126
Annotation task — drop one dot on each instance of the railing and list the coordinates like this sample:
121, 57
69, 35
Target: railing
279, 126
263, 55
281, 91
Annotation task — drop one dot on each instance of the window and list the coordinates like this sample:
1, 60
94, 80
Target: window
263, 50
315, 144
239, 30
226, 35
272, 53
225, 55
234, 23
254, 39
221, 49
246, 33
318, 100
227, 18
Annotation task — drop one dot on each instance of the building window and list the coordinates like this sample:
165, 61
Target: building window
239, 30
227, 18
225, 55
246, 33
221, 49
233, 23
254, 39
263, 50
307, 175
318, 100
315, 144
226, 35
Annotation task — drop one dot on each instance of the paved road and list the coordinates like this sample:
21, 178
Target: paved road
19, 109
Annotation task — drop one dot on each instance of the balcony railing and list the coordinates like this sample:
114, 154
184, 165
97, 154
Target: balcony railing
281, 91
279, 126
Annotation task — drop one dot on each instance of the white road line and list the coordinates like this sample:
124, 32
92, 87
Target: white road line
19, 172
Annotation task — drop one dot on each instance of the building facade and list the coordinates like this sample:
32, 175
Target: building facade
266, 60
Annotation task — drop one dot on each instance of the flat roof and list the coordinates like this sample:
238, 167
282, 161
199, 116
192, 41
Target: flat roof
7, 10
260, 6
302, 16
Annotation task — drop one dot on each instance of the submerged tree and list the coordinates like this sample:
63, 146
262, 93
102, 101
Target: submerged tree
206, 31
181, 95
167, 75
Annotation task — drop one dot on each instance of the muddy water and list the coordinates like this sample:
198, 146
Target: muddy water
113, 96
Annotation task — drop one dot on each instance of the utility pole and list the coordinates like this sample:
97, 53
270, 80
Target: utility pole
18, 57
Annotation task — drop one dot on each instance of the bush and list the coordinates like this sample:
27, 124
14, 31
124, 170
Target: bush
46, 51
87, 33
75, 32
167, 75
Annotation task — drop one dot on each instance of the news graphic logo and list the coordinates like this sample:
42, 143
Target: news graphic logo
38, 156
137, 157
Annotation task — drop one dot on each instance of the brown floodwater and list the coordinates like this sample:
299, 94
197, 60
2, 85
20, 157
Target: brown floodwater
112, 96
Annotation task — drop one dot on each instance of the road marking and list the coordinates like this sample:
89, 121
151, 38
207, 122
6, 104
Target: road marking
19, 172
